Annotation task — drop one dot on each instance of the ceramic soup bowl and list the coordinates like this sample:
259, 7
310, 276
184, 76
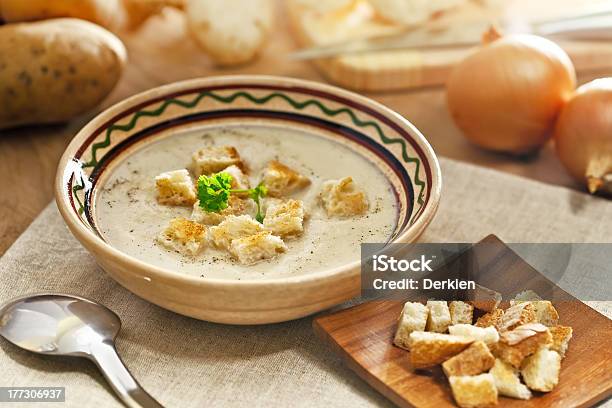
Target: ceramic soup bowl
383, 137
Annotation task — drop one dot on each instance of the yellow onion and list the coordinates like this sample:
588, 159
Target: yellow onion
583, 134
507, 95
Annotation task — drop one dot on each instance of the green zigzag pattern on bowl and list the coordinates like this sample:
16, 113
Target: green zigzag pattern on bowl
75, 190
258, 101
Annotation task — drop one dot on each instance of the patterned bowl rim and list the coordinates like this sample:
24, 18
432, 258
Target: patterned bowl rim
90, 239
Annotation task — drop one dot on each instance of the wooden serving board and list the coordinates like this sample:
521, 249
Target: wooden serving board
363, 336
392, 70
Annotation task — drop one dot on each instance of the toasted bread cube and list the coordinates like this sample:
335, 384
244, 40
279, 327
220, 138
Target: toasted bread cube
461, 312
214, 159
439, 316
486, 299
561, 335
515, 345
474, 391
235, 206
517, 315
175, 188
183, 236
282, 180
234, 227
493, 318
429, 349
285, 218
545, 313
254, 248
525, 296
541, 370
412, 318
508, 382
487, 334
473, 360
240, 181
342, 198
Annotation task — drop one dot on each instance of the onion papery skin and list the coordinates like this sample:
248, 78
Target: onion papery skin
507, 95
583, 134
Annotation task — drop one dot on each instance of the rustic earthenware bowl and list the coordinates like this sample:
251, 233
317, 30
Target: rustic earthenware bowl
384, 137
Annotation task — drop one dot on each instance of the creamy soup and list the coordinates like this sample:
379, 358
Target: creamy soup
129, 217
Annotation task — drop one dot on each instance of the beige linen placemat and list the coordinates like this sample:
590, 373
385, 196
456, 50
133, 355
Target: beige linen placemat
188, 363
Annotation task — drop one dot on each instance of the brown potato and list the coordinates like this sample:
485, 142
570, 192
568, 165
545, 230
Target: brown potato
51, 71
108, 13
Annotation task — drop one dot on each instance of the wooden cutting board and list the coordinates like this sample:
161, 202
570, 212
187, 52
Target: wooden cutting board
363, 336
392, 70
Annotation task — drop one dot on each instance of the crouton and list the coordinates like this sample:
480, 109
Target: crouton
429, 349
483, 298
233, 227
541, 370
461, 312
508, 382
492, 318
474, 391
254, 248
475, 359
285, 218
545, 313
341, 198
517, 315
412, 318
515, 345
488, 334
561, 335
525, 296
235, 206
281, 180
439, 316
175, 188
240, 181
183, 236
214, 159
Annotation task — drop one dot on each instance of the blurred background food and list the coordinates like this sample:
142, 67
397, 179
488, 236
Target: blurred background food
411, 12
107, 13
392, 70
138, 11
230, 38
112, 14
58, 69
491, 106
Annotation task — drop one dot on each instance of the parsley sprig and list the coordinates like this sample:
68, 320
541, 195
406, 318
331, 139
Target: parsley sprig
214, 192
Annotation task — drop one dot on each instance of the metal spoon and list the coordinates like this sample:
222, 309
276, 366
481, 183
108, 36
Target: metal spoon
66, 325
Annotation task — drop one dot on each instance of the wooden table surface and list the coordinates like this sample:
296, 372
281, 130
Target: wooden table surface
161, 52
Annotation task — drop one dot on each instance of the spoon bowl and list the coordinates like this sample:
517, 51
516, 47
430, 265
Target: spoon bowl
66, 325
57, 324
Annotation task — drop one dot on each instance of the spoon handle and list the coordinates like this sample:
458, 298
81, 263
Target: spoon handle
127, 388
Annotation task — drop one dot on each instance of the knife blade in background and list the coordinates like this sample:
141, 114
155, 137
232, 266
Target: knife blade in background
592, 26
